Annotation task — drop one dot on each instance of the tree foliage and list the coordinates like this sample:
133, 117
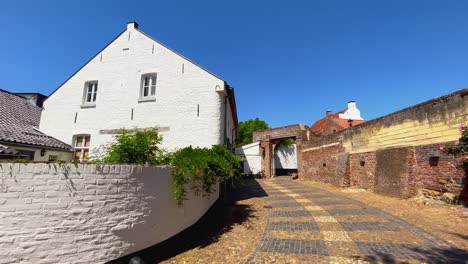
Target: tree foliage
246, 129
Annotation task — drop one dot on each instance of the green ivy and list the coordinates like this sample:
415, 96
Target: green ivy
202, 168
460, 147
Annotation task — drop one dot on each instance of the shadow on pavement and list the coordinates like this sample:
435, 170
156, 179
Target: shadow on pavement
433, 255
220, 219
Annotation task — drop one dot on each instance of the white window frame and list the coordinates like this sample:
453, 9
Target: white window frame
83, 145
90, 91
148, 87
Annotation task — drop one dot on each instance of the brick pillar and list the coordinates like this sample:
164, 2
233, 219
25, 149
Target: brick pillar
301, 138
299, 156
266, 157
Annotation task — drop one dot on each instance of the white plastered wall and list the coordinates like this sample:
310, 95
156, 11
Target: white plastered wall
286, 157
252, 159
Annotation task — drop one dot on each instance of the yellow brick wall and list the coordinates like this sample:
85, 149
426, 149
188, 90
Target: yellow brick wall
432, 122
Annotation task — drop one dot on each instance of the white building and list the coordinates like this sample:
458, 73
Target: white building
137, 82
250, 154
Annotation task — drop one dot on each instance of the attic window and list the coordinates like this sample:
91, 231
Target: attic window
148, 87
90, 93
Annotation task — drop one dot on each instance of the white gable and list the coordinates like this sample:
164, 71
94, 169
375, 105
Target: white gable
186, 105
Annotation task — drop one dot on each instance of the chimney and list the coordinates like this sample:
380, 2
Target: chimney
351, 104
328, 112
132, 25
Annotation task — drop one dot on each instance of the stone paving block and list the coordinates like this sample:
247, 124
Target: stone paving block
293, 226
289, 204
272, 193
317, 195
372, 226
360, 218
391, 251
347, 260
301, 200
300, 246
342, 249
270, 257
348, 212
308, 235
331, 202
325, 219
297, 213
398, 237
313, 208
280, 197
336, 236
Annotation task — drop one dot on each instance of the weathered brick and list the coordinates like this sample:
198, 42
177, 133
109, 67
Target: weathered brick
47, 188
9, 194
55, 206
107, 181
28, 207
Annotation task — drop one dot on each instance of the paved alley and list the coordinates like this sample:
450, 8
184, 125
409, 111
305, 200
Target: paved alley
311, 225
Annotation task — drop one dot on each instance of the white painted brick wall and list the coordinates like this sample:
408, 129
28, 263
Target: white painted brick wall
79, 213
119, 75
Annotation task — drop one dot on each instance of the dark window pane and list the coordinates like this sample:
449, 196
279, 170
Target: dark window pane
87, 141
79, 142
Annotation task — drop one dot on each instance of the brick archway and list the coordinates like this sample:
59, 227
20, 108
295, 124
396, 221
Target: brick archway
269, 137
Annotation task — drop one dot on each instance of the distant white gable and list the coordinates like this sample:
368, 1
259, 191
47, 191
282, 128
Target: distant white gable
352, 112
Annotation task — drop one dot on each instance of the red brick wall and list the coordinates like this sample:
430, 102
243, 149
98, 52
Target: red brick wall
362, 170
440, 174
398, 172
328, 164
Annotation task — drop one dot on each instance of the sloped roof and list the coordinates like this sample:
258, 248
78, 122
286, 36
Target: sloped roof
319, 126
18, 121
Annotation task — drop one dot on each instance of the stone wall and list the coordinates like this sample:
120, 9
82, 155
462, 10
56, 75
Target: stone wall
75, 213
398, 154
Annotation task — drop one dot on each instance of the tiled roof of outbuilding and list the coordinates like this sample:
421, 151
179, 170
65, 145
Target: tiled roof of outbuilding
18, 120
319, 126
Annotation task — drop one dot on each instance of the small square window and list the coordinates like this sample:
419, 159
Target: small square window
148, 86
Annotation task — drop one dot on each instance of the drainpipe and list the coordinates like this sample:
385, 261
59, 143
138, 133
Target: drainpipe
225, 120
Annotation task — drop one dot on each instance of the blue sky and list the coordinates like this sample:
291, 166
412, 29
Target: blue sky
289, 61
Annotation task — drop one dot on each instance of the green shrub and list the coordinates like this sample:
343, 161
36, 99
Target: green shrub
206, 168
136, 146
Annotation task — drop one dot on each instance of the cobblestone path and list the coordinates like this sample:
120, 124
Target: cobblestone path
311, 225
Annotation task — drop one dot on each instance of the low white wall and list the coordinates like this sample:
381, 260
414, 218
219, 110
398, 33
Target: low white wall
75, 213
250, 153
286, 157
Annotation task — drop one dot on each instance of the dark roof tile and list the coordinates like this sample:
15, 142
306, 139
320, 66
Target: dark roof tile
19, 119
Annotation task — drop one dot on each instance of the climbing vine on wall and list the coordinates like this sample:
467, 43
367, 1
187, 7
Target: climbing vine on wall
460, 147
201, 169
